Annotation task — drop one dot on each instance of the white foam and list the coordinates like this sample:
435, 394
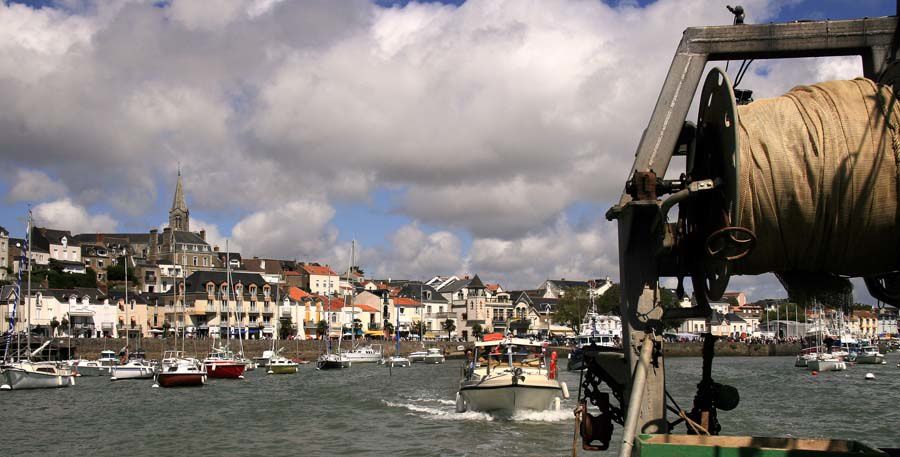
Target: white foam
437, 413
544, 416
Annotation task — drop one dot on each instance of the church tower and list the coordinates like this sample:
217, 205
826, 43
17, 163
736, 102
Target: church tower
179, 216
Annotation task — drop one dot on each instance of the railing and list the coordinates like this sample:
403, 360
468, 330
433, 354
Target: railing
445, 315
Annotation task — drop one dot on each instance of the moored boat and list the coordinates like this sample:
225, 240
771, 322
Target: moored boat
281, 365
332, 362
134, 369
178, 371
869, 355
364, 354
35, 375
434, 356
510, 378
221, 364
417, 356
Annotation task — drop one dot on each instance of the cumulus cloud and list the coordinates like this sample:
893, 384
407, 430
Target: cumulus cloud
66, 215
34, 185
413, 253
298, 229
492, 118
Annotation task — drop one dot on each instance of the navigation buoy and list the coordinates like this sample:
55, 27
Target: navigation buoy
870, 376
241, 377
814, 373
155, 385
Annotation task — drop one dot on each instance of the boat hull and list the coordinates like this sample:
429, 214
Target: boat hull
870, 359
417, 357
282, 369
17, 379
362, 358
434, 359
92, 371
180, 379
121, 373
225, 370
332, 364
826, 365
509, 399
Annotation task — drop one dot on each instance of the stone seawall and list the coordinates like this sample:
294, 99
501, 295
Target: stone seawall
723, 349
307, 349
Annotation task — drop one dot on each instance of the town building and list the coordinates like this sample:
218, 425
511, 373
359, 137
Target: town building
319, 279
86, 312
5, 265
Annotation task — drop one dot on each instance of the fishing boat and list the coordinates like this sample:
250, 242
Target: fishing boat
434, 356
222, 364
35, 375
869, 355
509, 376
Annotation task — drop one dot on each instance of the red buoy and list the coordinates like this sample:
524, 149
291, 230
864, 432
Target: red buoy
815, 373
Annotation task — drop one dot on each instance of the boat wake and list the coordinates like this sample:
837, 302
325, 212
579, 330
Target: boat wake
440, 413
442, 409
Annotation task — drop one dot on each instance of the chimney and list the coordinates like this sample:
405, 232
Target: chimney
203, 234
215, 249
152, 240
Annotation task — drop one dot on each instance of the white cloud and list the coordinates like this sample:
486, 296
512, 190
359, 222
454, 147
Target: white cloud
33, 186
413, 253
214, 235
491, 118
298, 229
66, 215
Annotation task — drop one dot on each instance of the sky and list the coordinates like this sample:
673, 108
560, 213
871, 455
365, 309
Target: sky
483, 137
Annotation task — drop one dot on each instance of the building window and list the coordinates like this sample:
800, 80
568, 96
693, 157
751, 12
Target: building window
206, 261
195, 261
100, 263
210, 289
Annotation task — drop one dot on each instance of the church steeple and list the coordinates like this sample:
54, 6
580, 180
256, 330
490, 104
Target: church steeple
179, 216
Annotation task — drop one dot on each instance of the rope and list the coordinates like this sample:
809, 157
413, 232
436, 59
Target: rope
698, 429
818, 179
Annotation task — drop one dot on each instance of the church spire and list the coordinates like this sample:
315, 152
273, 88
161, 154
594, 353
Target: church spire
179, 214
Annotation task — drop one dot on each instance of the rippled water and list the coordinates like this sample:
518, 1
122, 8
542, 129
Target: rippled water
364, 411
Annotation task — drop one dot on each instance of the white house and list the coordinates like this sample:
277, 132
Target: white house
321, 279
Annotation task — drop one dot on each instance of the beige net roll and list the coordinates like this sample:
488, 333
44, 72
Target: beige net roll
818, 179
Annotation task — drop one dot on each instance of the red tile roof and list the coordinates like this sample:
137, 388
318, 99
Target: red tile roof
319, 270
404, 301
366, 308
492, 287
292, 273
297, 293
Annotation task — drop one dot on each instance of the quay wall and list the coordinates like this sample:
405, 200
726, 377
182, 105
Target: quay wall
310, 349
89, 348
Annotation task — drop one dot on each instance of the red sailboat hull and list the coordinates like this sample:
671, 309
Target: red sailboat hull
180, 379
225, 370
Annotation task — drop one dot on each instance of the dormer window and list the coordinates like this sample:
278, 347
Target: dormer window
266, 291
252, 289
224, 289
210, 289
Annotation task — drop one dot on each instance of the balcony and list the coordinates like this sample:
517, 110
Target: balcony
445, 315
285, 313
268, 309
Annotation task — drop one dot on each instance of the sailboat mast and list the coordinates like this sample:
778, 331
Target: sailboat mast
228, 295
126, 302
352, 307
28, 292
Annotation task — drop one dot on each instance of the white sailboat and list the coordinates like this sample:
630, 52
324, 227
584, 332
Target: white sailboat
359, 354
823, 360
397, 360
25, 374
134, 368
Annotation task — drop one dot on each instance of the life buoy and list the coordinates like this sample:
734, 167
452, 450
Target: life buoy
553, 357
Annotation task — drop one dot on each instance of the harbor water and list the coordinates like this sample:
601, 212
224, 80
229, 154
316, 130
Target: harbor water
371, 410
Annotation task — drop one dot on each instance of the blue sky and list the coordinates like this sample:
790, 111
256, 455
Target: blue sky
469, 84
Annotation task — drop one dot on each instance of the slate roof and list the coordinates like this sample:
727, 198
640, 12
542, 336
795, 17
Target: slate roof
413, 290
454, 286
3, 231
196, 282
112, 238
54, 236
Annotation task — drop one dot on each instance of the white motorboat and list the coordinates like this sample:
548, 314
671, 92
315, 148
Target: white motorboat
827, 362
100, 367
35, 375
134, 369
434, 355
281, 365
397, 361
364, 354
869, 355
509, 377
417, 356
263, 361
805, 356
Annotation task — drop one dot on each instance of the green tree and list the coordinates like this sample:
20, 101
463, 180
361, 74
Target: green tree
321, 328
572, 307
54, 324
389, 327
419, 328
65, 324
285, 328
477, 331
608, 303
449, 326
117, 273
